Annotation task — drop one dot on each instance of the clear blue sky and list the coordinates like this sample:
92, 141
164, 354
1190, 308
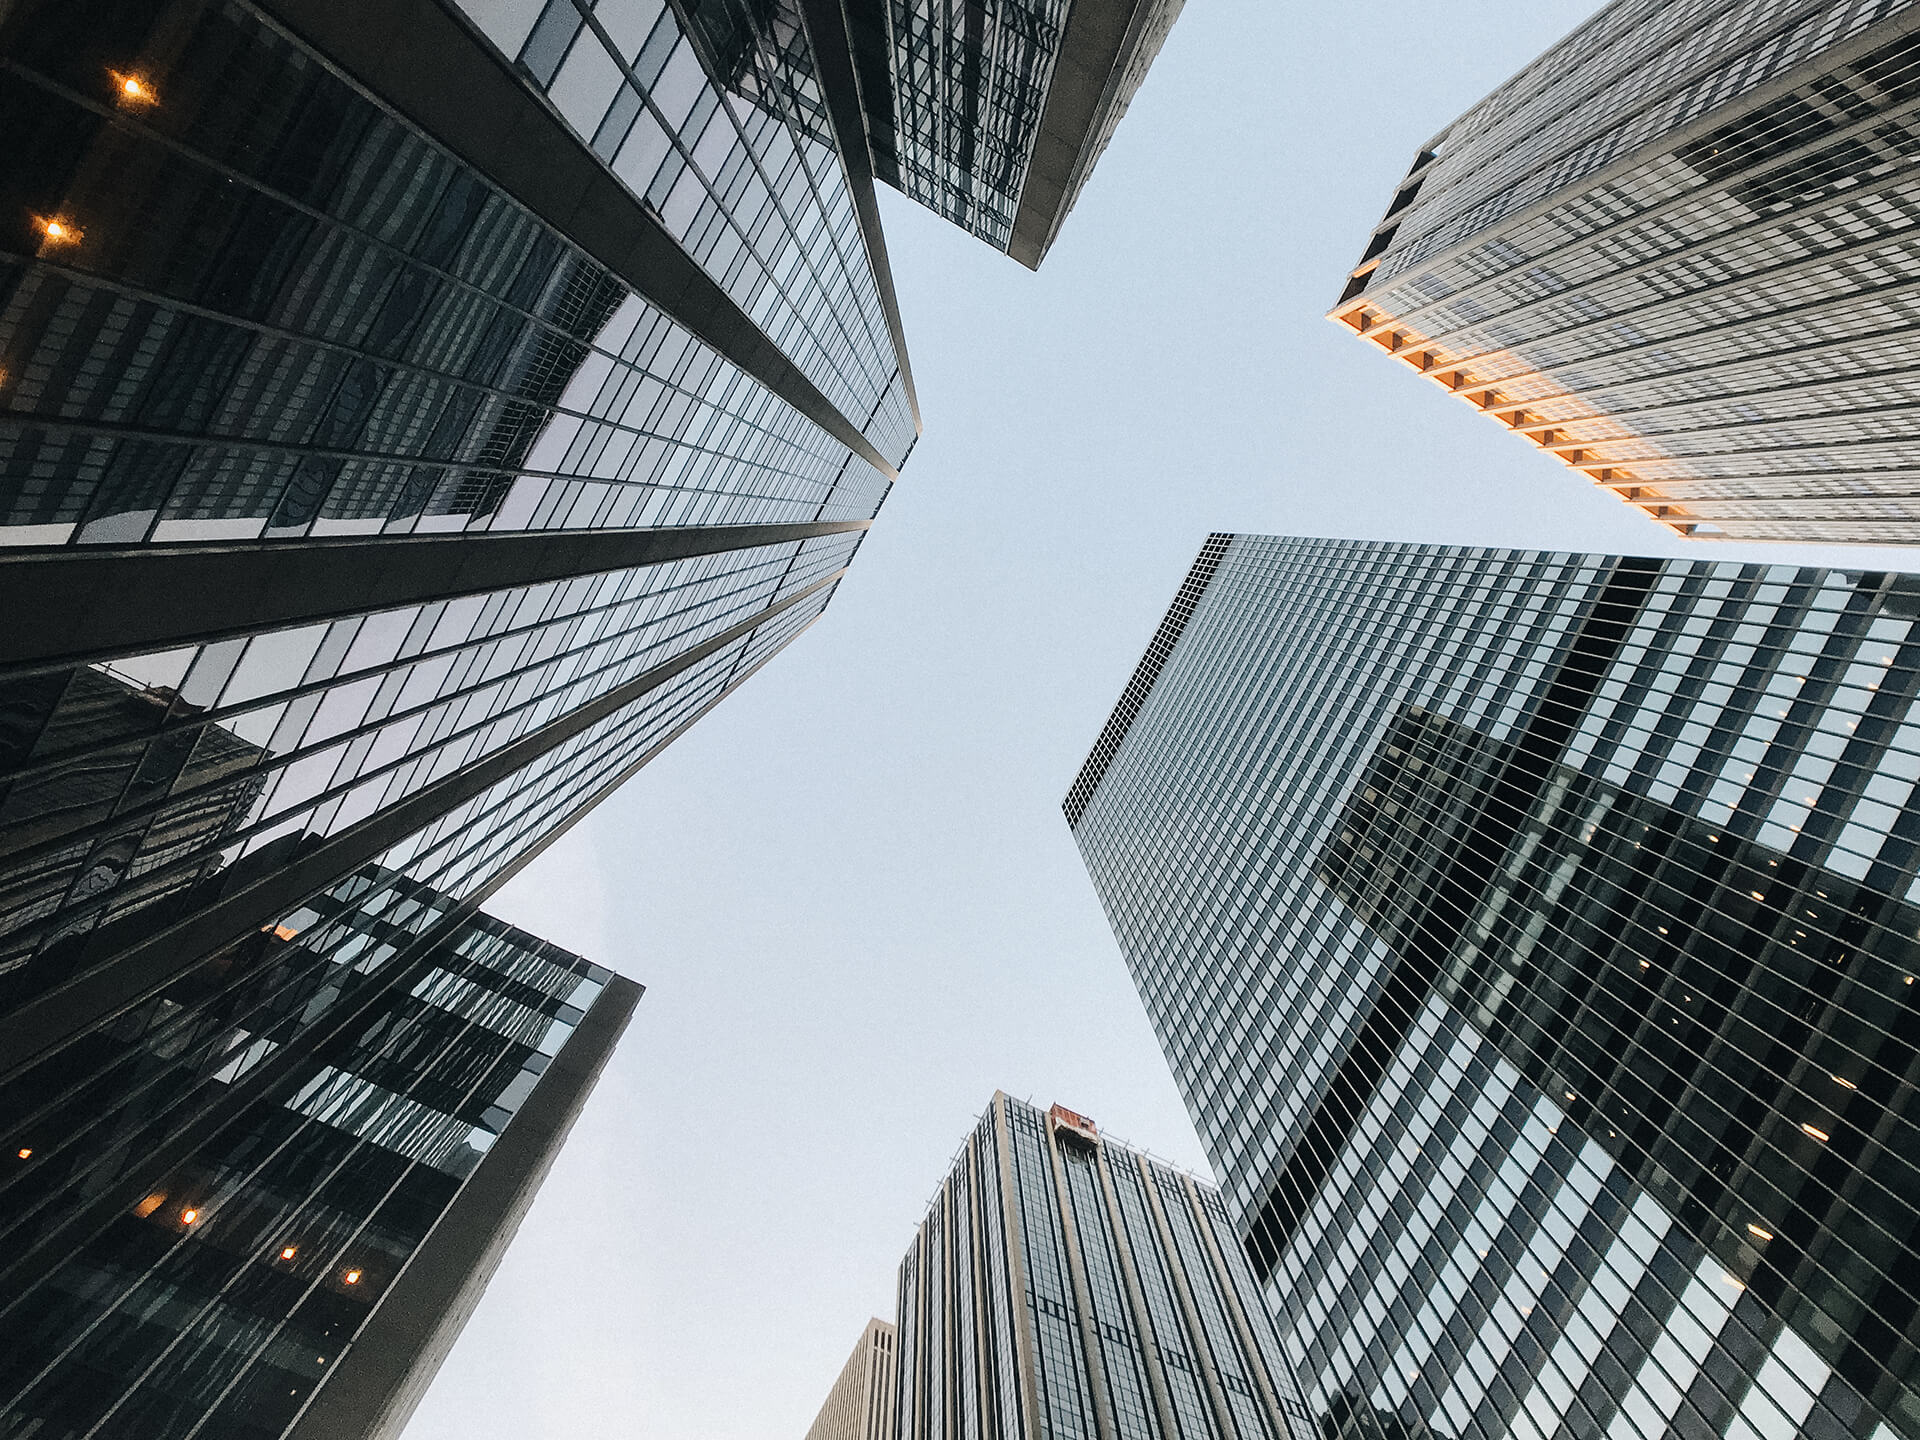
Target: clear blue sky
850, 890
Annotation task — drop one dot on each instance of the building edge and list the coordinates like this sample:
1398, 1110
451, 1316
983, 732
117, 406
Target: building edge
1145, 676
384, 1373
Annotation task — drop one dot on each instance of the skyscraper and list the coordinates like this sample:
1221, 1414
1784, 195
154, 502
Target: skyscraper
860, 1405
1065, 1285
412, 417
270, 1211
387, 478
1534, 938
1677, 253
993, 113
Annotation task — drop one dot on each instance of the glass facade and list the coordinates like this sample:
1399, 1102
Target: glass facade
1676, 252
251, 304
961, 110
284, 1151
1064, 1285
1533, 937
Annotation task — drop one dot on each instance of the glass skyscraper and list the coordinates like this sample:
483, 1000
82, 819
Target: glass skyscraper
1065, 1285
993, 113
413, 416
1533, 938
269, 1210
1678, 253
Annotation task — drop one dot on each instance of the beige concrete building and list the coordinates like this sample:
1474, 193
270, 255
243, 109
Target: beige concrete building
860, 1405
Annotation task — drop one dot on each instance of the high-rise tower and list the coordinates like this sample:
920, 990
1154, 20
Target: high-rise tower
1065, 1285
414, 414
269, 1210
412, 417
1534, 939
860, 1405
1677, 252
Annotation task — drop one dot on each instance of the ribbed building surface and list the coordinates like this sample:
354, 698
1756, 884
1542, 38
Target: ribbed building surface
1533, 937
1064, 1285
1678, 252
861, 1404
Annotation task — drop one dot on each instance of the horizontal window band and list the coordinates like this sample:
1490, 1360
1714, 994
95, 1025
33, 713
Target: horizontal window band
128, 961
74, 604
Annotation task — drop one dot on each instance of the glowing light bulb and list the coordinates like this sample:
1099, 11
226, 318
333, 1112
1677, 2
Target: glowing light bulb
187, 1217
288, 1253
352, 1277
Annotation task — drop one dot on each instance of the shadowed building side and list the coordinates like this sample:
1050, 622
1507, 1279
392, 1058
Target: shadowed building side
1533, 938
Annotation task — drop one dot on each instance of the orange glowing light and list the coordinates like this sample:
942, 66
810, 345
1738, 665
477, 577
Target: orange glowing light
288, 1253
25, 1152
57, 231
352, 1277
1816, 1132
147, 1206
1757, 1232
187, 1217
131, 89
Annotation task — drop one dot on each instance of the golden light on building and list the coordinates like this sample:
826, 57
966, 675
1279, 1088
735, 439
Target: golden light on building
352, 1277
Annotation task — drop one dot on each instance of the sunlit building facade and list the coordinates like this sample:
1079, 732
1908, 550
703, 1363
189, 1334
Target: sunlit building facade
1677, 252
1533, 938
1066, 1285
860, 1405
269, 1209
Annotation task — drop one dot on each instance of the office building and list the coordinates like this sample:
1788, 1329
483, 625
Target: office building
994, 114
268, 1208
1677, 253
412, 418
1063, 1284
384, 478
1533, 938
860, 1405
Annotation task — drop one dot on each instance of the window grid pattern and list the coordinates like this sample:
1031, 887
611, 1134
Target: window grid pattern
1133, 1318
130, 780
84, 1110
1456, 1260
969, 83
221, 1301
1713, 328
738, 163
367, 341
